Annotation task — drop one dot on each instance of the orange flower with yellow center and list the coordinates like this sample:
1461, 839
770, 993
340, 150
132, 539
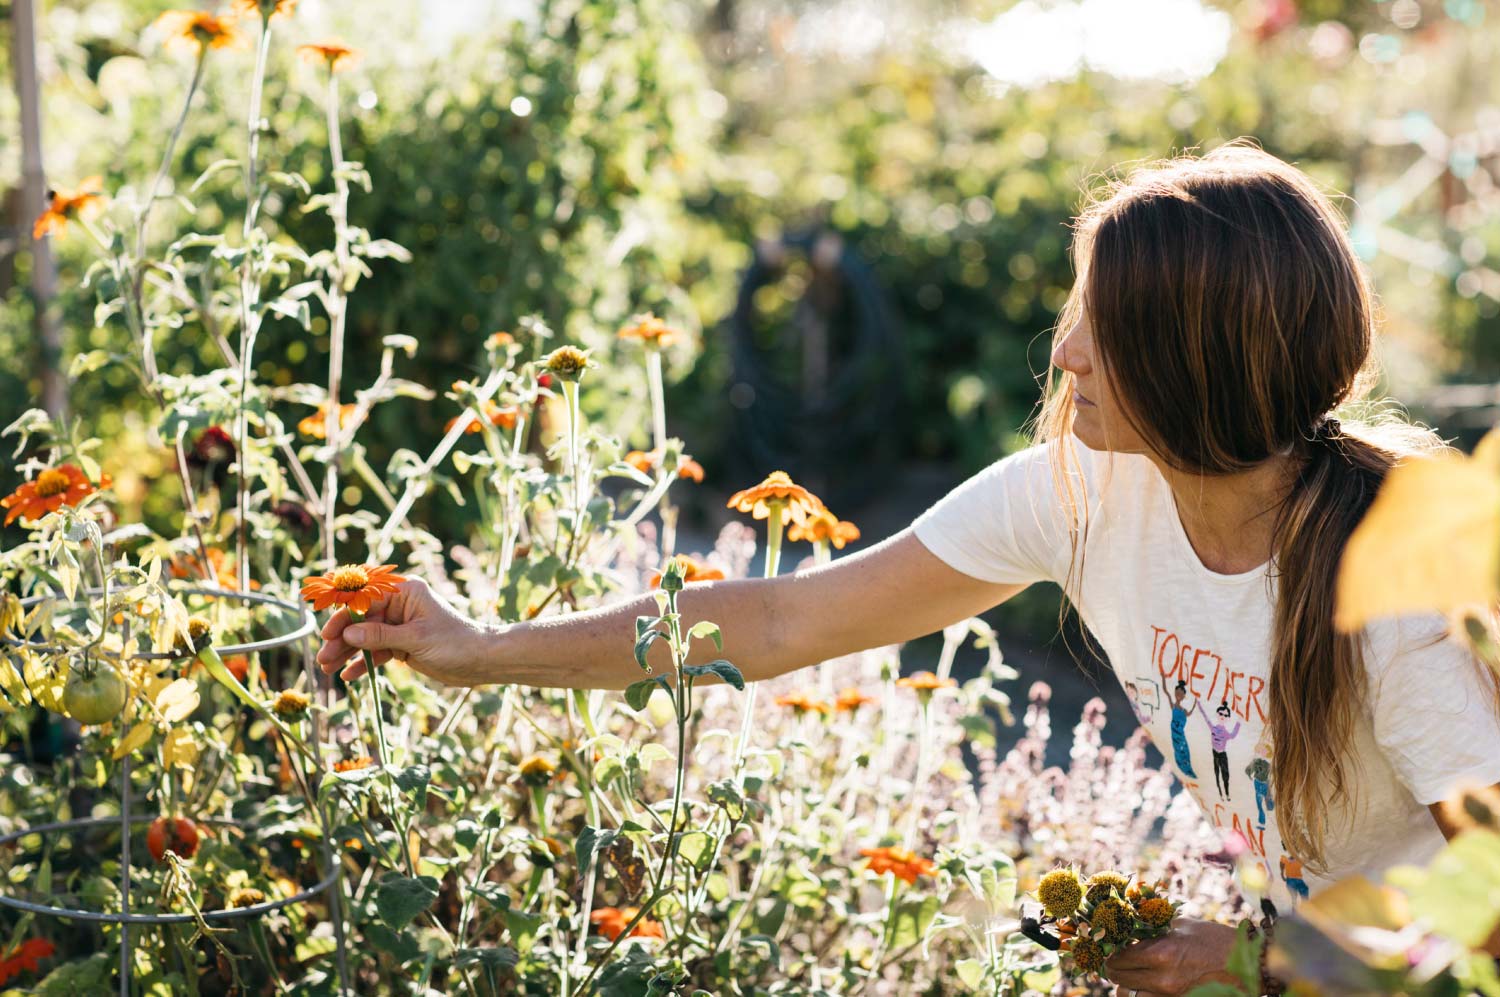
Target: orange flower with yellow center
902, 863
803, 703
650, 330
692, 571
353, 764
823, 526
852, 699
196, 30
49, 492
316, 425
332, 53
266, 8
925, 682
612, 922
646, 463
504, 417
797, 503
65, 206
354, 586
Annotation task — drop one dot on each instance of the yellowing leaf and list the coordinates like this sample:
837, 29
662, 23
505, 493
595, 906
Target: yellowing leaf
131, 742
1431, 540
46, 682
179, 750
178, 700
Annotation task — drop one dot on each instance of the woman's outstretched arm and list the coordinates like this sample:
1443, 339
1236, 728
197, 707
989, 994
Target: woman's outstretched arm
892, 592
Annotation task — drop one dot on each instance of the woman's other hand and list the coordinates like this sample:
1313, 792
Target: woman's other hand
1193, 953
412, 625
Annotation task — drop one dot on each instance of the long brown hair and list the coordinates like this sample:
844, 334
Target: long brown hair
1232, 316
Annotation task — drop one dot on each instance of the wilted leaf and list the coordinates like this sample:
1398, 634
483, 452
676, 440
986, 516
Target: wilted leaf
138, 735
178, 700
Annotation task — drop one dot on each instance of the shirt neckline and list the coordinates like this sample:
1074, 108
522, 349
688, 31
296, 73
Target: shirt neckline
1185, 545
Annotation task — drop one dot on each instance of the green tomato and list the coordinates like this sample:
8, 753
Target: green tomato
97, 698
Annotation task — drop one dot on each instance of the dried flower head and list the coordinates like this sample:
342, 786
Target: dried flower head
1156, 912
246, 896
64, 206
353, 764
354, 586
567, 362
1475, 806
199, 631
777, 491
1060, 893
1114, 918
1105, 884
291, 704
1088, 955
49, 492
537, 771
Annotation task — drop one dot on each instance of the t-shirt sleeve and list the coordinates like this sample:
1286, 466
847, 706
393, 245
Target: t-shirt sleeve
1006, 524
1432, 706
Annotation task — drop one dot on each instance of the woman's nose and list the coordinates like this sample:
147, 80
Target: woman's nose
1071, 354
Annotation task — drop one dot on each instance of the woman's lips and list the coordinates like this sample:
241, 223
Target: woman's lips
1080, 399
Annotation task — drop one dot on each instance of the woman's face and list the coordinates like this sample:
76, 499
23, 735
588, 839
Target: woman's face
1100, 423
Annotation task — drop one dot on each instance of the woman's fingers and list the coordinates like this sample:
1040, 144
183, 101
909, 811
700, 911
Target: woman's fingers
335, 650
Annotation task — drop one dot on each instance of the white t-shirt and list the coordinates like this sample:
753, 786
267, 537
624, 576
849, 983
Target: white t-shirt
1192, 649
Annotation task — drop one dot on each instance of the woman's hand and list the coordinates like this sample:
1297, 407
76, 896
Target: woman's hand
411, 625
1193, 953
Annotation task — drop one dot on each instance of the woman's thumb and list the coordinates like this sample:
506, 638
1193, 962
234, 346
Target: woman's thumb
372, 635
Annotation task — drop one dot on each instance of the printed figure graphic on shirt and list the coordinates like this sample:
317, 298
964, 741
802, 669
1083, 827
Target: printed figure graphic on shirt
1221, 736
1180, 751
1291, 874
1259, 772
1143, 699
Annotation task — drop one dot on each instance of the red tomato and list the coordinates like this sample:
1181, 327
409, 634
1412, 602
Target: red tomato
172, 834
545, 380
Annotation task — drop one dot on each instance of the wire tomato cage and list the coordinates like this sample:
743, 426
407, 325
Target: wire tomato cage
328, 875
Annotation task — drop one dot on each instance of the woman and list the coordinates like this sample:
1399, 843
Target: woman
1219, 318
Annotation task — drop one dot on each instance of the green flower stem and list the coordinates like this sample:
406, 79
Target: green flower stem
336, 304
383, 758
919, 780
214, 665
658, 400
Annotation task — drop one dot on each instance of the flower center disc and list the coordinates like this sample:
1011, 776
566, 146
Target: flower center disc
51, 482
350, 578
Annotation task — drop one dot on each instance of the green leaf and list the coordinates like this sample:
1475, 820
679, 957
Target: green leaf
721, 668
970, 972
1244, 957
522, 927
726, 794
397, 944
493, 894
695, 847
1460, 894
400, 898
643, 645
638, 694
1216, 990
773, 950
592, 841
708, 628
493, 959
913, 918
607, 770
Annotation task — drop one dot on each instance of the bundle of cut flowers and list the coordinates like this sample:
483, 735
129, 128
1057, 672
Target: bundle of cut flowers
1093, 919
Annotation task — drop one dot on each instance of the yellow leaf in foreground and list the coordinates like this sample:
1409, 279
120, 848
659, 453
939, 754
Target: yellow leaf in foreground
139, 735
178, 700
1431, 540
179, 750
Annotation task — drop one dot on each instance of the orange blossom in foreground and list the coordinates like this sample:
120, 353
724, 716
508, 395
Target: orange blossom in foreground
355, 586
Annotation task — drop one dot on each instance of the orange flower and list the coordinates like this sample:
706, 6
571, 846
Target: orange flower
825, 526
195, 29
505, 418
925, 682
803, 702
644, 462
315, 425
355, 586
332, 53
266, 8
353, 764
692, 571
499, 340
63, 207
778, 489
49, 492
189, 565
26, 957
852, 699
650, 330
612, 922
902, 863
